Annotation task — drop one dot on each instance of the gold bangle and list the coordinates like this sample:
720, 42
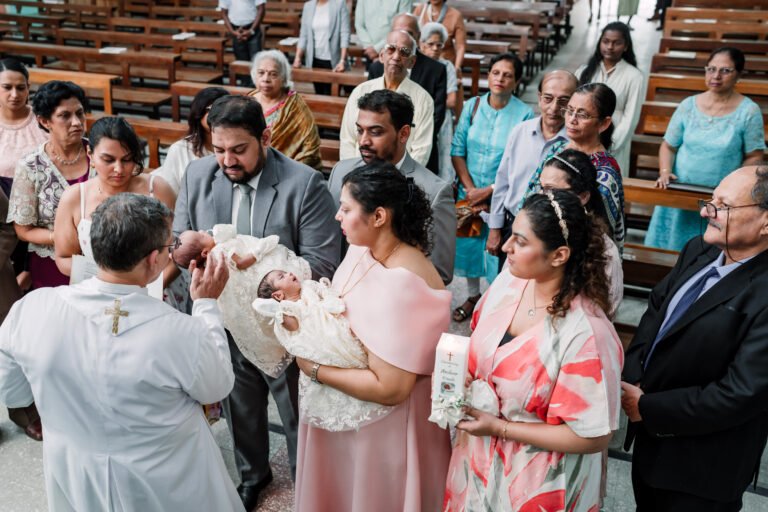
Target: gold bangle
504, 430
313, 375
50, 235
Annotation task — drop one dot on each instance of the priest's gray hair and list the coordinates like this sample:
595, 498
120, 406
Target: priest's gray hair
279, 59
126, 228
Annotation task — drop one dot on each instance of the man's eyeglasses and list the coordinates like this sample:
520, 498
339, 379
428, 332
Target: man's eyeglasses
172, 246
712, 70
712, 209
404, 51
578, 114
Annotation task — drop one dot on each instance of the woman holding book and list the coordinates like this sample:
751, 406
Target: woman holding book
543, 346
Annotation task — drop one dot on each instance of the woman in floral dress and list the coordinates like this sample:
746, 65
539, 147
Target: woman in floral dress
544, 346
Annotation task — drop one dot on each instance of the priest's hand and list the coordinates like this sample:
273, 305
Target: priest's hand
208, 282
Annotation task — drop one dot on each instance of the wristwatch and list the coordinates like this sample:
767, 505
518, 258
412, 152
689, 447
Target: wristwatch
313, 375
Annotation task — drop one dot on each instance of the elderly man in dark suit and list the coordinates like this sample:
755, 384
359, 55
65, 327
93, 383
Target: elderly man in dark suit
383, 126
697, 370
426, 72
262, 192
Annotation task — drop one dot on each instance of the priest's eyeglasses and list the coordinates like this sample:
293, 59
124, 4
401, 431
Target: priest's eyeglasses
173, 246
712, 209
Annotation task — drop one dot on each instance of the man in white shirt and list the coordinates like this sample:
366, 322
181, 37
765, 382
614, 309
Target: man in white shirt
118, 376
397, 56
243, 21
372, 21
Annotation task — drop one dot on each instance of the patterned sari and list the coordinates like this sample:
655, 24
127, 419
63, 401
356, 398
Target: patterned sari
294, 132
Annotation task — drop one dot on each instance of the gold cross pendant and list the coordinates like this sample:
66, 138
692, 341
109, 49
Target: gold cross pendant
116, 313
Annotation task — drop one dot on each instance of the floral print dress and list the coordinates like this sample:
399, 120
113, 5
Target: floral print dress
564, 370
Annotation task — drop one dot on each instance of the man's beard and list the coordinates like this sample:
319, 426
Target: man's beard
247, 176
388, 156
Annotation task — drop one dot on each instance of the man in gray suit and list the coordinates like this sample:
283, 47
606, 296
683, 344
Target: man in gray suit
383, 127
262, 192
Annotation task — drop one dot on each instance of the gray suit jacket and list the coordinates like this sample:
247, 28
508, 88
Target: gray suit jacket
339, 30
440, 195
291, 201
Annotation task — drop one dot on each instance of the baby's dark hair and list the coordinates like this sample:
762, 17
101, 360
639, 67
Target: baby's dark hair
189, 250
266, 288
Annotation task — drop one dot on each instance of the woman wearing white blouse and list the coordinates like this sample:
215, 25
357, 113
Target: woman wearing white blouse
197, 142
614, 64
324, 38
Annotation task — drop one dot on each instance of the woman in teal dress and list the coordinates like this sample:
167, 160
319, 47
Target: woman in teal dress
476, 152
709, 135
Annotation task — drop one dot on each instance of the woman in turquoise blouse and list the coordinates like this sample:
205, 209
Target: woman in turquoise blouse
476, 152
709, 135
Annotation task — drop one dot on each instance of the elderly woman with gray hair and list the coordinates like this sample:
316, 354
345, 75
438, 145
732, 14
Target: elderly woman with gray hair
292, 127
432, 43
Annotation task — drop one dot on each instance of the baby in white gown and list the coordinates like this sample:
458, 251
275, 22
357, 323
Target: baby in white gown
309, 322
248, 256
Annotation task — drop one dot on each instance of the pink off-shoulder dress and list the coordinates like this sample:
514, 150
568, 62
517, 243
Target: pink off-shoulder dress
398, 462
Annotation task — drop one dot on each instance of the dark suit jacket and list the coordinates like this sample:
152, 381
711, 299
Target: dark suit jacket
10, 292
432, 77
292, 201
704, 415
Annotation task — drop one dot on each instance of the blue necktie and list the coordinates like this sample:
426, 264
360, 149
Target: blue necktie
686, 301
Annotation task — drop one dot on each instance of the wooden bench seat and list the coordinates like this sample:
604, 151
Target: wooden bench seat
25, 22
675, 87
144, 72
190, 89
701, 44
716, 23
96, 85
209, 50
307, 75
716, 4
645, 266
692, 64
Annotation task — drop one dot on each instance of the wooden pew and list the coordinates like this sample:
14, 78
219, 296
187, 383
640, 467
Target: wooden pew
97, 85
25, 22
700, 44
692, 63
667, 87
79, 15
190, 89
519, 35
733, 4
162, 64
196, 49
646, 266
308, 75
716, 23
154, 26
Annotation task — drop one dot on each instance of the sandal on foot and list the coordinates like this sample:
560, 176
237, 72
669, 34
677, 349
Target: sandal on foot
463, 312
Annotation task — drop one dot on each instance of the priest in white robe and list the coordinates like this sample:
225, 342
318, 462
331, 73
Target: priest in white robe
118, 377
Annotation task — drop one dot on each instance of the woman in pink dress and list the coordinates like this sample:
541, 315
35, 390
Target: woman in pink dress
398, 307
544, 346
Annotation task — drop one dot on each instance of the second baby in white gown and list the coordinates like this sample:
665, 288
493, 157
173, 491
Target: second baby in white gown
309, 322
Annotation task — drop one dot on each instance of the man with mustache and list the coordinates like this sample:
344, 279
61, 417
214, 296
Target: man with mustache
428, 73
383, 126
262, 192
528, 142
397, 56
695, 374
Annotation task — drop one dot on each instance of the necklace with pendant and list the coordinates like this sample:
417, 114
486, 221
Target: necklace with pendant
345, 290
532, 311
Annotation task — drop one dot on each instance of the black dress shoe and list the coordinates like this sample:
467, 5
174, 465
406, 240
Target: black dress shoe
249, 494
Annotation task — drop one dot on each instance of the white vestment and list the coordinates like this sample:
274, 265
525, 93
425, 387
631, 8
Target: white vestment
122, 422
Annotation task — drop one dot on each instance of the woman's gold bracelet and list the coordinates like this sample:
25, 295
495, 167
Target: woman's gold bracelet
50, 236
504, 430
